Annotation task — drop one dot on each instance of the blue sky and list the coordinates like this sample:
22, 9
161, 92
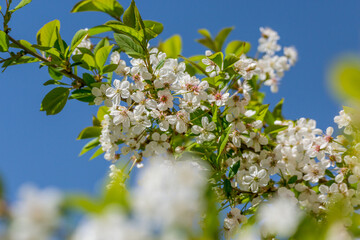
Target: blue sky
42, 149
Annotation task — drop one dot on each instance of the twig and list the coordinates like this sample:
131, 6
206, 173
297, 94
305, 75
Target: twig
69, 74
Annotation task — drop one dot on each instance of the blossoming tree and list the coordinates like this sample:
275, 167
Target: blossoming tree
199, 127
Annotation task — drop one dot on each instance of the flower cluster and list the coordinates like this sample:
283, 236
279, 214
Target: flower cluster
159, 108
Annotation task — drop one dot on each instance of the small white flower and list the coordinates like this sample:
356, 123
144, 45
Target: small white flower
256, 179
120, 91
100, 95
204, 131
344, 120
165, 100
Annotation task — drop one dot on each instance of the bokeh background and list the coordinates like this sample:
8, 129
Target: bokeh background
43, 150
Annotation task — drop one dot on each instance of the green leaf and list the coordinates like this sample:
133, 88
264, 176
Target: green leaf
88, 60
99, 29
55, 100
102, 43
277, 112
84, 6
217, 58
224, 141
262, 112
227, 187
237, 48
89, 132
329, 173
205, 33
54, 82
103, 110
4, 42
207, 41
110, 68
123, 29
47, 35
172, 46
111, 7
234, 169
86, 51
96, 122
59, 44
90, 145
78, 37
24, 59
97, 153
132, 17
56, 75
82, 203
221, 37
269, 118
274, 129
129, 46
102, 55
21, 4
293, 179
88, 79
152, 29
230, 60
83, 95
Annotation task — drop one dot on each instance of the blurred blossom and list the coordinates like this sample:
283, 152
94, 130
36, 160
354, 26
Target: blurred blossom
111, 225
170, 192
35, 215
338, 231
279, 216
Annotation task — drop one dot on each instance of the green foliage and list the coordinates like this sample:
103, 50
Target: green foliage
48, 34
97, 153
102, 111
101, 56
129, 46
274, 129
277, 112
237, 48
132, 17
55, 100
126, 30
54, 82
217, 58
21, 4
111, 7
221, 37
4, 42
89, 132
78, 37
152, 29
216, 44
171, 46
345, 79
230, 60
83, 95
207, 40
90, 145
224, 140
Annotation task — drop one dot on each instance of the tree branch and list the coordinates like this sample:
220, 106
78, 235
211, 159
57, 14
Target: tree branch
79, 81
